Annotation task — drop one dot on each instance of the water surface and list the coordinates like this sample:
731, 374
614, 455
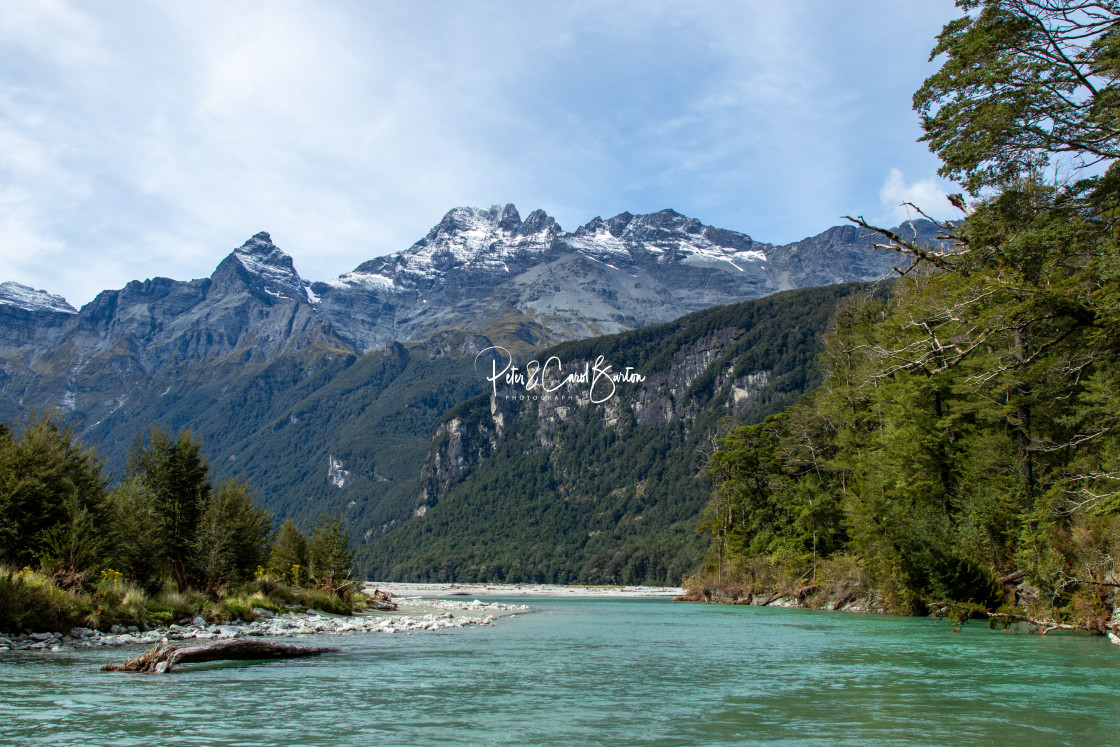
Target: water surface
601, 672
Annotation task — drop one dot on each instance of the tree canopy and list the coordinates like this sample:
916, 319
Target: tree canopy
1023, 82
964, 447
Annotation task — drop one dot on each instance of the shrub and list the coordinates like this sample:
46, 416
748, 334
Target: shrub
324, 600
178, 604
232, 608
29, 601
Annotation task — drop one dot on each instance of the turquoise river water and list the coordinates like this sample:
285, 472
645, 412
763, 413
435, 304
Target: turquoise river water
598, 672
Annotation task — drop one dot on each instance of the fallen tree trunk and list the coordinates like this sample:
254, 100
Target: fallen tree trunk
162, 657
382, 600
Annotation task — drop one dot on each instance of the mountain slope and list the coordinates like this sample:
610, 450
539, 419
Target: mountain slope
521, 486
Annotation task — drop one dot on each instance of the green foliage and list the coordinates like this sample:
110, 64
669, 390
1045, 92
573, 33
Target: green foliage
375, 412
966, 428
769, 501
589, 502
1022, 82
51, 496
78, 533
173, 605
289, 553
325, 601
329, 555
177, 477
232, 537
136, 536
30, 601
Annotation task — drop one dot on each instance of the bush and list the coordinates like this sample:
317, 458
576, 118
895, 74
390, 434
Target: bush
325, 601
30, 602
232, 608
177, 604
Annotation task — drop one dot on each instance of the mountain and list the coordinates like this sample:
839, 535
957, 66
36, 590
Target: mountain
93, 362
602, 482
21, 297
325, 395
31, 319
530, 283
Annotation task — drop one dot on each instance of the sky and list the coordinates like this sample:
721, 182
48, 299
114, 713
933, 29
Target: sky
143, 139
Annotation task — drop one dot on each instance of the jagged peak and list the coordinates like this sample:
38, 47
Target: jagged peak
30, 299
627, 222
466, 218
538, 221
270, 265
260, 245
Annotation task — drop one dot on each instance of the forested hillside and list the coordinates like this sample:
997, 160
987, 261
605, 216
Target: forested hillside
963, 451
531, 488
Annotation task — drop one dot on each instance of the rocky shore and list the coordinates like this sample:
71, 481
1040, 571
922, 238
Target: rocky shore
417, 615
848, 598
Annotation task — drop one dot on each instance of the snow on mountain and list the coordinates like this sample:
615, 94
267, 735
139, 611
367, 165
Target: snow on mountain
467, 238
479, 270
30, 299
479, 267
496, 240
264, 260
672, 236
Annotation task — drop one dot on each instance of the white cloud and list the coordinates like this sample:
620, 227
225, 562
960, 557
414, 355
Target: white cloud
927, 194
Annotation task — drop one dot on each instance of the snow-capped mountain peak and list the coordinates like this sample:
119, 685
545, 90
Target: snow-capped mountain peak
265, 261
467, 238
29, 299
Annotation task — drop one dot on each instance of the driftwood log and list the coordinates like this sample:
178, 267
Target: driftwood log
382, 600
162, 657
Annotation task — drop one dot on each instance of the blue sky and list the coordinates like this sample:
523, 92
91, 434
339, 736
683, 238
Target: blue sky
145, 139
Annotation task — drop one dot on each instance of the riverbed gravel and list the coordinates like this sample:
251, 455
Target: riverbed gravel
415, 615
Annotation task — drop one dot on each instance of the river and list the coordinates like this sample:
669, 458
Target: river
598, 672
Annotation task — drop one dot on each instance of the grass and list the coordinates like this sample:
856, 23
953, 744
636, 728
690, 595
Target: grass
30, 601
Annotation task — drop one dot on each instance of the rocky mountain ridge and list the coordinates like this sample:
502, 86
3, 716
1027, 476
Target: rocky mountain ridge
490, 272
486, 271
29, 299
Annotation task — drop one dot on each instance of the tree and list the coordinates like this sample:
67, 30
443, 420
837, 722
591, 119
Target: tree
231, 538
1013, 324
329, 555
1023, 81
52, 496
1035, 266
136, 536
177, 476
288, 557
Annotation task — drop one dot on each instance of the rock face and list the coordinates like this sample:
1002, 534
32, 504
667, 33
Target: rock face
253, 308
336, 475
520, 283
485, 271
29, 299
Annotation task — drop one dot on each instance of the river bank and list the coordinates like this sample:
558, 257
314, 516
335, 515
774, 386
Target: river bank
852, 598
417, 610
810, 596
412, 615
